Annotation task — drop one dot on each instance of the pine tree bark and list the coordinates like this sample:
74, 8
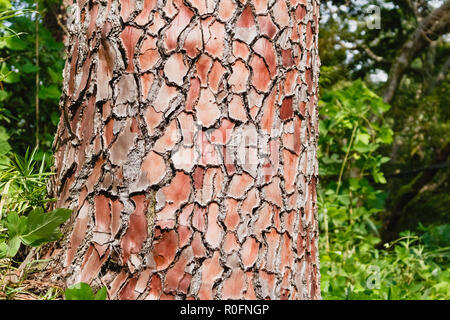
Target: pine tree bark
187, 149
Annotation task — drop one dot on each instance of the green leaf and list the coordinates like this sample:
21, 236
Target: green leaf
101, 294
55, 118
380, 107
16, 44
7, 75
44, 227
5, 4
354, 183
56, 76
362, 147
83, 291
13, 246
80, 291
385, 136
28, 67
364, 138
384, 160
3, 95
50, 92
4, 145
378, 176
3, 250
16, 225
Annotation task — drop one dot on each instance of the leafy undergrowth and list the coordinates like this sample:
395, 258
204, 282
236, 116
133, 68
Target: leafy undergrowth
350, 206
25, 227
409, 268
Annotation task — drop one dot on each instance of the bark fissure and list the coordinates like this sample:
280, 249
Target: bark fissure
188, 149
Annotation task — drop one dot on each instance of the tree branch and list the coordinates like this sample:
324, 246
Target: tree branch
408, 192
434, 25
365, 48
418, 170
439, 77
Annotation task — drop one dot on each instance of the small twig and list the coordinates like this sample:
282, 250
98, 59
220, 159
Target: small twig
58, 21
27, 260
370, 53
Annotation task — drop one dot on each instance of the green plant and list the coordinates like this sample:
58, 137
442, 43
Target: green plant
30, 74
83, 291
33, 230
6, 13
352, 131
23, 183
350, 202
24, 224
23, 196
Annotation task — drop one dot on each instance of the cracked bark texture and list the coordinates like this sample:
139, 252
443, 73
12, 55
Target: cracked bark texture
187, 149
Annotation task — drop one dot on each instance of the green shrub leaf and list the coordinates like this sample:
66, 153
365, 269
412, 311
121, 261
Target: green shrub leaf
101, 294
79, 291
83, 291
44, 227
13, 246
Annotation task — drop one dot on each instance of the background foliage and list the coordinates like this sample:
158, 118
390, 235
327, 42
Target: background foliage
384, 171
415, 266
384, 196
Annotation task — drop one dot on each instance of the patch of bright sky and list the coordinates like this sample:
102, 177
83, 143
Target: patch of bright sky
379, 76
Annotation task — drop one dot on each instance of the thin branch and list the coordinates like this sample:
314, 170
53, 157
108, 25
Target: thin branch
59, 22
430, 167
365, 48
345, 158
371, 54
37, 73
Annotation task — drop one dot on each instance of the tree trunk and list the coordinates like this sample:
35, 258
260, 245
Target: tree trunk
187, 149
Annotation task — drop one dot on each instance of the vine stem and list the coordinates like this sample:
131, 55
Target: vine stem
346, 158
37, 72
327, 242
